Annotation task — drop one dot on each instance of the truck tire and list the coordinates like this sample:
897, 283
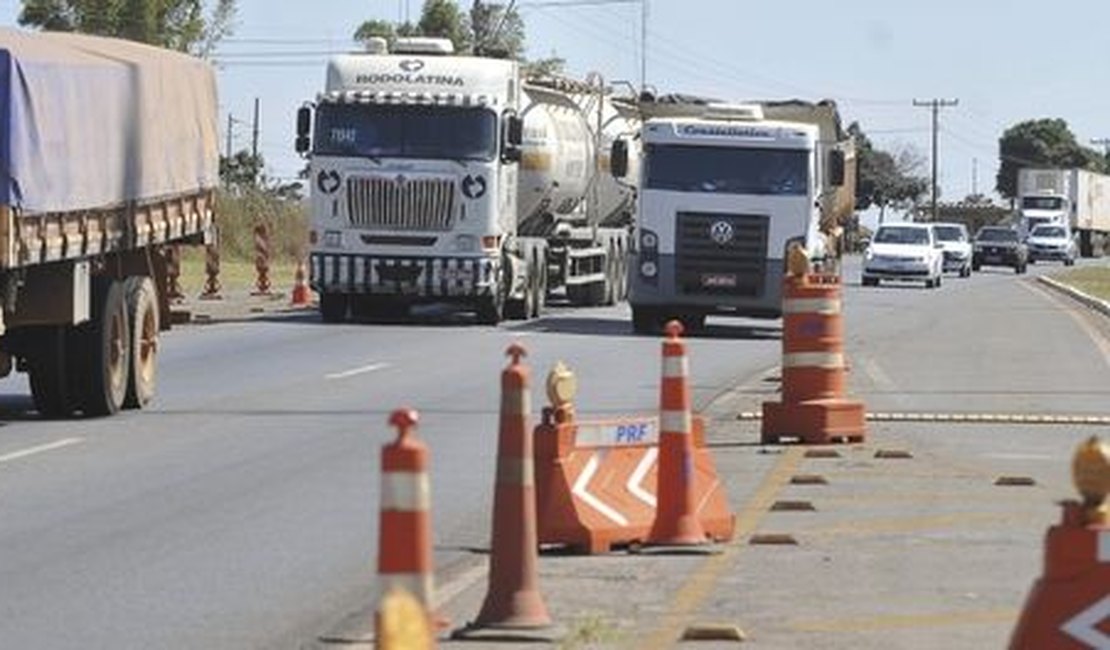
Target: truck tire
142, 319
540, 300
612, 276
333, 307
49, 368
1086, 244
103, 347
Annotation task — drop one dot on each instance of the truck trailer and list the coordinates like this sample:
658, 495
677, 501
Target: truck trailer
1074, 198
439, 178
109, 152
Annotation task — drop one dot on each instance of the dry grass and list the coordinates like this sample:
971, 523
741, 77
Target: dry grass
1093, 280
236, 275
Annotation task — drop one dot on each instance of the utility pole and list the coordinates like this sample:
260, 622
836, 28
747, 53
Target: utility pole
935, 105
643, 44
975, 177
254, 132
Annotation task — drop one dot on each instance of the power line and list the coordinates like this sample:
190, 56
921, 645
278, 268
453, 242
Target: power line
935, 105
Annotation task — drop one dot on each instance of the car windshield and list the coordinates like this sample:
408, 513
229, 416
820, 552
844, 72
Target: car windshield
431, 132
950, 233
901, 235
997, 234
1050, 232
1042, 203
727, 170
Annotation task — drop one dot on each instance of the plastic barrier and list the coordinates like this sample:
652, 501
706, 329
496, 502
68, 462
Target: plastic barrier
813, 409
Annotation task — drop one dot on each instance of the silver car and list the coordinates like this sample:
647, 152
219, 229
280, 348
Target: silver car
1051, 242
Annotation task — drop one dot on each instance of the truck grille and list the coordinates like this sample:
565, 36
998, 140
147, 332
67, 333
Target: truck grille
721, 254
401, 204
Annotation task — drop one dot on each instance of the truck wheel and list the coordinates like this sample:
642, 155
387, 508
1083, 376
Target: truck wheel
142, 317
48, 367
540, 301
612, 276
578, 295
105, 350
333, 307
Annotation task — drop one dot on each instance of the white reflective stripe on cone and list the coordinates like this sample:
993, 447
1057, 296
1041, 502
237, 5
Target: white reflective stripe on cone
417, 584
675, 422
1104, 546
406, 491
811, 306
676, 367
813, 360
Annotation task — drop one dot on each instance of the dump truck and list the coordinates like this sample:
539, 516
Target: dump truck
109, 153
439, 178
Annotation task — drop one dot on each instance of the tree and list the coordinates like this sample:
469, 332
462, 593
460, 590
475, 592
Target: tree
1040, 143
174, 24
886, 179
490, 29
442, 19
375, 29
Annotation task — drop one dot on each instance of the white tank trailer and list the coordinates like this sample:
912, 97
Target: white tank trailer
452, 179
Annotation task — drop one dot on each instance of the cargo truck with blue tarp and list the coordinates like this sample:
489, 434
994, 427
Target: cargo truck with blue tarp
108, 159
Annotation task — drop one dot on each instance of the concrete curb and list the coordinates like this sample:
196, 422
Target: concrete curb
1094, 303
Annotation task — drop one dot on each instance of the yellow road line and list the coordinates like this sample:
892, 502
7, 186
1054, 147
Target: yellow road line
697, 588
896, 621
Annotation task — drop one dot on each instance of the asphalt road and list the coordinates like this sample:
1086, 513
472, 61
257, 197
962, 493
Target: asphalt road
240, 511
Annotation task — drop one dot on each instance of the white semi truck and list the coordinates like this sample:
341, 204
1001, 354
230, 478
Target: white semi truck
452, 179
723, 194
1074, 198
108, 159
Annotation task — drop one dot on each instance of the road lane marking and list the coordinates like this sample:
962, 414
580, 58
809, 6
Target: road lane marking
900, 621
354, 372
31, 451
695, 590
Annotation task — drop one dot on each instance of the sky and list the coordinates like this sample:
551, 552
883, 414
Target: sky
873, 57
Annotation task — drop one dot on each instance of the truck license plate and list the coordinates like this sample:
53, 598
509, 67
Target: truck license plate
718, 280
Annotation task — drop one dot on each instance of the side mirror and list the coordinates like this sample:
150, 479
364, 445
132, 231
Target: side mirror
836, 168
514, 131
618, 159
512, 155
304, 128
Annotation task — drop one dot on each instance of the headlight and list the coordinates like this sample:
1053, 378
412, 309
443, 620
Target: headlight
868, 255
333, 239
466, 243
648, 239
649, 269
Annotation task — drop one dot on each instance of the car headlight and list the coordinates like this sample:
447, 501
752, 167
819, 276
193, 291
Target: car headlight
649, 269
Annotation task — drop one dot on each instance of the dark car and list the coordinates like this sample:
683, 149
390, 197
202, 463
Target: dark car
999, 246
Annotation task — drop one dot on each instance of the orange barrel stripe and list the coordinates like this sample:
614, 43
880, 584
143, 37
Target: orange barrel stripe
813, 339
405, 530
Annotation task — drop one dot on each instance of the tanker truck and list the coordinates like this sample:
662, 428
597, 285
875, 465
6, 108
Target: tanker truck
453, 179
109, 157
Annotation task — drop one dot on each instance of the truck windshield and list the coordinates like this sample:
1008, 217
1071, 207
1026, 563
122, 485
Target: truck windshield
1042, 203
433, 132
685, 168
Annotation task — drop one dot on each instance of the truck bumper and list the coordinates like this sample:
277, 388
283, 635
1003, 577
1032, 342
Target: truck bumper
663, 292
418, 277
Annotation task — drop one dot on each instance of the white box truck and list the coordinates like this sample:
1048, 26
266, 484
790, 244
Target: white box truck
1075, 198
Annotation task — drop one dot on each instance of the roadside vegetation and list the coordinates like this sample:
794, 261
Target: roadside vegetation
1094, 280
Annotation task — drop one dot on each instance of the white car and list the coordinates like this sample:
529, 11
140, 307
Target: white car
957, 247
904, 251
1049, 242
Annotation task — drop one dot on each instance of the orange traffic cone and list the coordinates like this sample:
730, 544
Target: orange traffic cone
301, 294
676, 515
513, 600
1069, 607
405, 528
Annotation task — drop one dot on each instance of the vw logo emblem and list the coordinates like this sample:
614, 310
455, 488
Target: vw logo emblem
412, 65
721, 232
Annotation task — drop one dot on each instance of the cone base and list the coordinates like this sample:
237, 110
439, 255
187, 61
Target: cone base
523, 610
476, 632
816, 422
